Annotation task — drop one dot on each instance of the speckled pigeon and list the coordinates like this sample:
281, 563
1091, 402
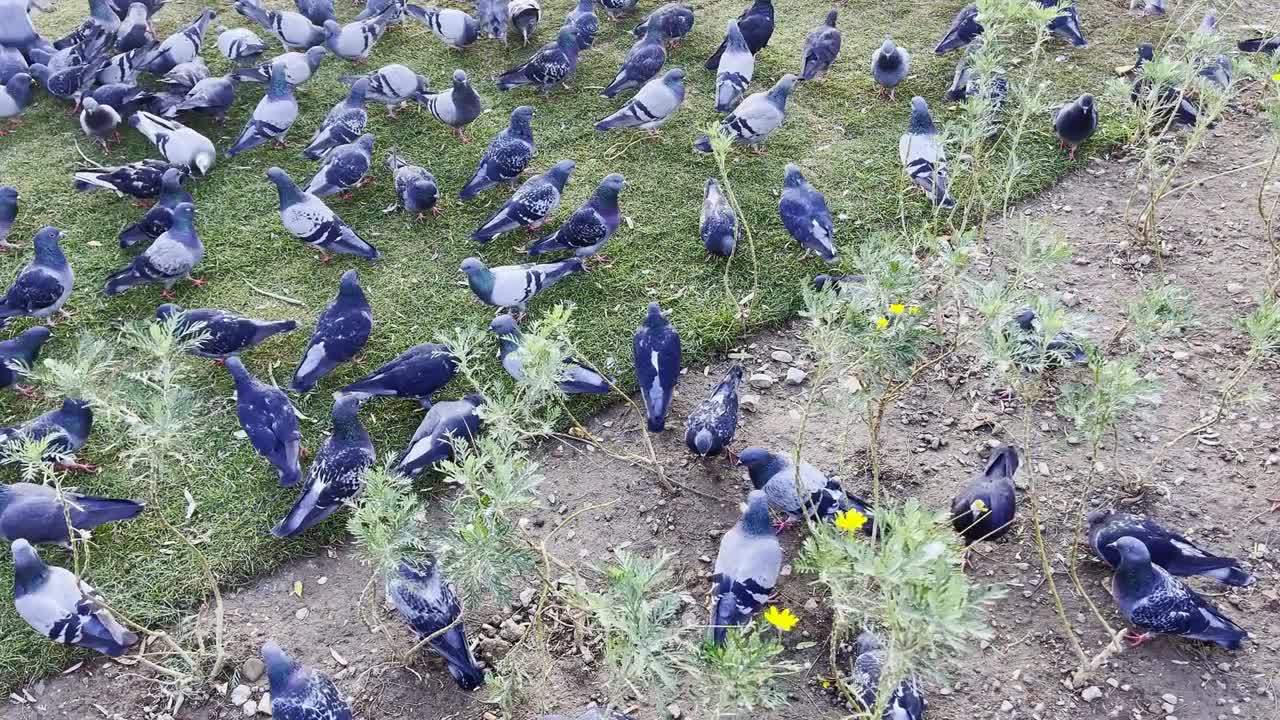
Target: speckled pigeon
1066, 24
493, 19
776, 475
513, 286
299, 693
42, 285
1076, 122
240, 44
428, 604
675, 20
298, 67
576, 378
393, 85
343, 168
907, 701
142, 179
341, 332
642, 62
337, 473
590, 226
1168, 549
964, 29
344, 123
756, 24
18, 355
712, 425
158, 217
169, 259
269, 420
293, 29
821, 48
552, 64
805, 215
225, 333
525, 15
416, 373
756, 117
309, 219
506, 157
984, 510
67, 429
1027, 333
355, 40
416, 189
889, 67
15, 95
274, 114
455, 28
737, 66
923, 157
61, 607
35, 513
182, 46
101, 19
445, 423
655, 347
533, 202
179, 144
617, 8
718, 224
455, 107
746, 568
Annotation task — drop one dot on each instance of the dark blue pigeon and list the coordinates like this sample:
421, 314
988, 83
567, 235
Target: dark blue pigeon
907, 701
341, 332
583, 19
506, 157
159, 217
169, 259
274, 114
416, 189
455, 107
337, 473
805, 215
66, 428
317, 11
455, 28
756, 24
1066, 24
513, 286
821, 48
224, 334
590, 226
299, 693
525, 15
1062, 349
533, 202
1168, 549
309, 219
43, 285
1265, 45
746, 569
9, 197
964, 29
655, 346
444, 424
643, 61
98, 121
343, 168
293, 29
63, 608
823, 497
838, 283
889, 67
12, 62
712, 425
673, 19
269, 420
551, 65
18, 355
344, 123
984, 510
416, 373
1156, 602
180, 47
425, 601
35, 513
577, 379
1076, 122
1170, 100
718, 224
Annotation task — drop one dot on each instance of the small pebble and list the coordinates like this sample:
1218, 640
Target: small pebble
1091, 693
782, 356
761, 381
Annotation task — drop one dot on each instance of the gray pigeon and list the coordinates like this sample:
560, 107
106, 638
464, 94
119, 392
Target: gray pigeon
180, 47
455, 107
718, 224
293, 29
575, 379
393, 85
169, 259
42, 285
240, 44
923, 157
183, 77
643, 61
889, 66
269, 421
341, 333
455, 28
508, 154
309, 219
179, 144
493, 19
298, 67
66, 429
135, 29
18, 355
777, 475
343, 168
12, 62
821, 47
337, 473
416, 189
985, 509
1156, 602
1168, 549
590, 226
1076, 122
212, 95
746, 568
344, 123
355, 40
299, 693
8, 213
737, 65
533, 202
274, 114
513, 286
756, 117
907, 701
62, 608
37, 514
444, 424
805, 215
525, 15
673, 19
16, 30
121, 67
15, 95
98, 121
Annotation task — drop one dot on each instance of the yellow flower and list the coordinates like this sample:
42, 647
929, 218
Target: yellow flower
913, 310
1276, 77
850, 521
882, 323
782, 619
977, 507
897, 308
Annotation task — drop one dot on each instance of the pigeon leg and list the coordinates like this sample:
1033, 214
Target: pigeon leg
391, 112
437, 211
6, 247
358, 360
219, 362
76, 466
144, 203
462, 137
325, 258
281, 143
303, 452
25, 391
731, 457
197, 281
781, 526
675, 44
1072, 155
1135, 639
366, 180
167, 294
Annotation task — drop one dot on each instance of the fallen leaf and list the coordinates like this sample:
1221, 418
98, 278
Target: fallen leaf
297, 588
338, 657
191, 503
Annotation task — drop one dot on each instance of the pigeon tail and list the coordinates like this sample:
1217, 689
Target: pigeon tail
90, 512
452, 646
126, 279
266, 330
724, 615
305, 513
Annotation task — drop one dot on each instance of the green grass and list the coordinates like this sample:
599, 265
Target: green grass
844, 138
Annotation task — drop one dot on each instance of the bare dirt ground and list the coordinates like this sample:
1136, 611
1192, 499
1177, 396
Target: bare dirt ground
1215, 488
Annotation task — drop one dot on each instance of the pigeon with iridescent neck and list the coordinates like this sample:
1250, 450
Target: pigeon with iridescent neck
43, 285
344, 123
746, 569
166, 261
590, 226
309, 219
274, 114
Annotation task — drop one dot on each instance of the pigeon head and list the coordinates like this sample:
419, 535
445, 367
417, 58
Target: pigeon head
653, 316
168, 310
473, 266
285, 186
792, 178
1146, 53
1026, 318
733, 35
567, 40
280, 668
89, 104
460, 78
755, 519
365, 142
203, 163
315, 55
782, 89
607, 192
1086, 102
332, 28
866, 642
520, 118
1209, 24
76, 415
674, 77
19, 86
48, 251
1099, 516
32, 337
1132, 551
171, 181
28, 570
1003, 462
734, 374
205, 17
921, 120
346, 416
359, 89
504, 326
832, 14
560, 172
349, 289
237, 369
184, 217
888, 49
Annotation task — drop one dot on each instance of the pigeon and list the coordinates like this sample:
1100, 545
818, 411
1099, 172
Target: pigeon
1066, 24
18, 355
889, 66
293, 29
838, 283
493, 19
42, 285
1169, 550
590, 226
185, 76
1148, 7
428, 604
180, 47
756, 117
923, 157
445, 423
179, 144
777, 476
455, 28
821, 47
38, 515
16, 30
456, 107
274, 114
1076, 122
135, 29
309, 219
344, 123
525, 15
964, 29
965, 84
66, 430
575, 379
298, 693
343, 168
12, 62
63, 608
393, 85
269, 420
756, 24
316, 11
101, 19
337, 473
142, 179
712, 425
737, 65
341, 332
1063, 348
718, 224
240, 44
674, 20
655, 347
124, 98
213, 96
1266, 45
746, 569
416, 189
513, 286
1156, 602
224, 334
1216, 69
121, 67
355, 40
583, 19
169, 259
907, 701
805, 215
68, 84
553, 63
533, 202
416, 373
98, 121
593, 712
984, 510
298, 67
1170, 99
643, 61
506, 157
8, 212
160, 216
15, 95
617, 8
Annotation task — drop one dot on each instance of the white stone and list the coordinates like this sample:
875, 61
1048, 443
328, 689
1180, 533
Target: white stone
750, 403
795, 376
249, 708
1091, 693
1181, 355
264, 704
782, 356
240, 694
761, 381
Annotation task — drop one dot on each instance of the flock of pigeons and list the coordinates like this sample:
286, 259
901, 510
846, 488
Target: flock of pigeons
97, 66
